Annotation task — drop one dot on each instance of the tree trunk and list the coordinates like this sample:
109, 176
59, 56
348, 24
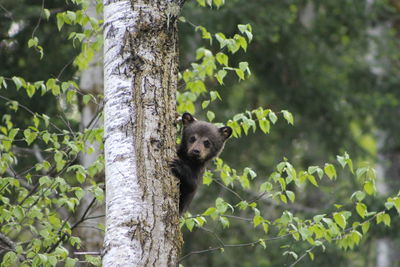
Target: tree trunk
140, 73
91, 82
388, 176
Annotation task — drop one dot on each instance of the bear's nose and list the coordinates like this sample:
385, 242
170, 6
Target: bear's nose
196, 152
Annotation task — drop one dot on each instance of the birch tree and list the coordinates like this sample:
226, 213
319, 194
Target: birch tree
140, 73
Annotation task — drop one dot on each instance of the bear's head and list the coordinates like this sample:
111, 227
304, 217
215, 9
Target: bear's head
202, 141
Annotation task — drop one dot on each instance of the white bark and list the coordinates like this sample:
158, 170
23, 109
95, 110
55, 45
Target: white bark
91, 82
140, 70
307, 15
385, 248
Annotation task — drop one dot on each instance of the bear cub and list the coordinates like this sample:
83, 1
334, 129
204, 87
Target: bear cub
201, 141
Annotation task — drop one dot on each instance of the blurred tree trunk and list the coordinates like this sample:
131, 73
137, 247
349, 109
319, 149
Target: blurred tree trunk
388, 157
140, 73
383, 245
91, 82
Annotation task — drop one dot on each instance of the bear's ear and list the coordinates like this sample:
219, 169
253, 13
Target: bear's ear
225, 131
187, 118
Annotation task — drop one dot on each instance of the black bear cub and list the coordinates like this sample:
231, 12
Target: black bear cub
201, 141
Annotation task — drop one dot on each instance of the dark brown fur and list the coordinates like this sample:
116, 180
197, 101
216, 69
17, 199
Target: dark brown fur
201, 141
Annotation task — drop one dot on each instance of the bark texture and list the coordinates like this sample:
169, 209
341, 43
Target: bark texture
140, 73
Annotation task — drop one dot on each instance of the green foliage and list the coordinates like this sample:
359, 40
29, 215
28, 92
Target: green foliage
246, 201
41, 183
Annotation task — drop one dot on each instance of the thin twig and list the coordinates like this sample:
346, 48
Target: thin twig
64, 235
87, 253
227, 188
39, 20
7, 241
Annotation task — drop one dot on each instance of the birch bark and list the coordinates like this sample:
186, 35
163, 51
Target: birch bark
140, 73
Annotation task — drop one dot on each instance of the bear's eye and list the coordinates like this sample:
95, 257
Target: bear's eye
192, 139
207, 144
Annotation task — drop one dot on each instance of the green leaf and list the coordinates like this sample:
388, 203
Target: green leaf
222, 59
365, 227
36, 121
266, 187
12, 133
46, 13
9, 258
318, 218
264, 125
220, 75
371, 174
249, 35
242, 28
80, 177
330, 171
397, 204
189, 224
257, 219
19, 213
311, 255
291, 253
29, 136
210, 115
288, 116
214, 95
341, 160
30, 90
18, 81
3, 82
283, 198
369, 187
272, 117
33, 42
252, 173
241, 41
209, 211
86, 99
340, 219
242, 205
94, 260
361, 209
60, 20
240, 73
265, 227
205, 104
383, 217
44, 180
224, 221
69, 262
46, 137
219, 3
221, 39
312, 169
386, 220
312, 180
262, 243
359, 195
70, 96
290, 195
71, 16
243, 66
361, 171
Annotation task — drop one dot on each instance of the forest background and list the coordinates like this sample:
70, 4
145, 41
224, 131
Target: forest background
333, 64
